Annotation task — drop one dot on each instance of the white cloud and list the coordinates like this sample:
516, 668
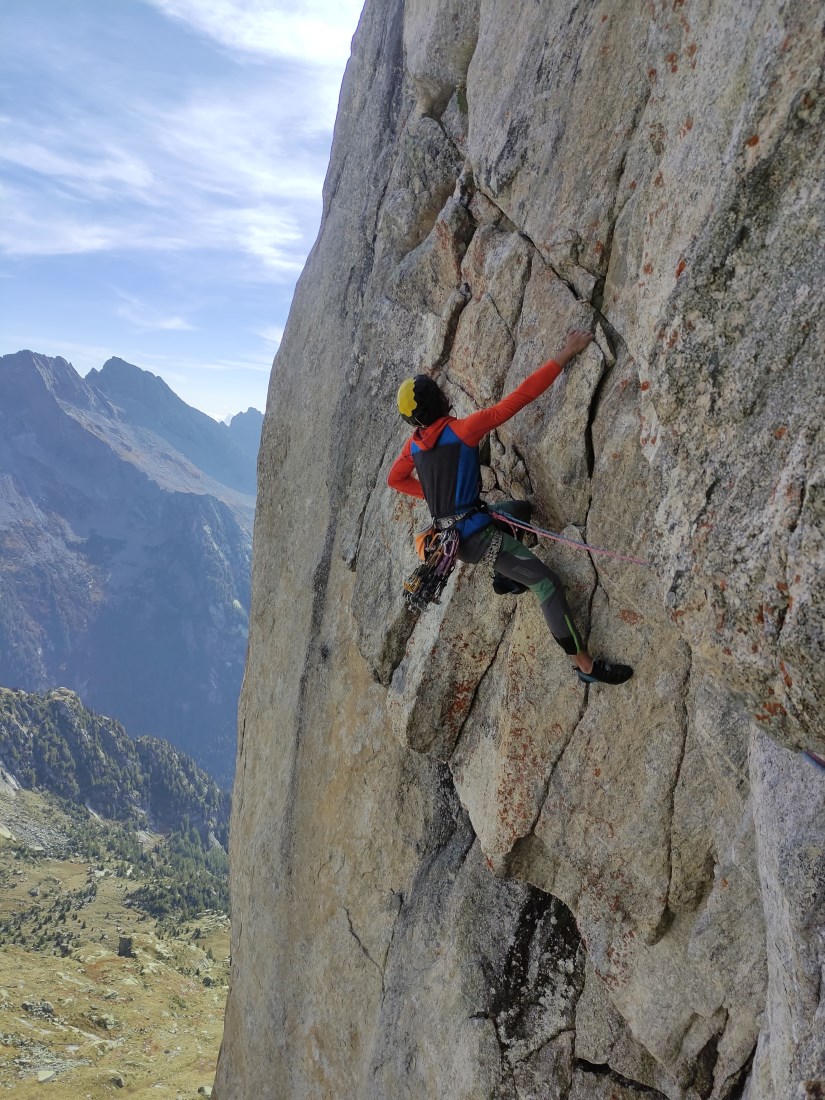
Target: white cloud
26, 230
34, 226
142, 315
189, 165
272, 334
181, 367
249, 206
262, 144
98, 171
267, 235
317, 31
232, 171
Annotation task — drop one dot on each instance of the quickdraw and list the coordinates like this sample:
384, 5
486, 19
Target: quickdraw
426, 583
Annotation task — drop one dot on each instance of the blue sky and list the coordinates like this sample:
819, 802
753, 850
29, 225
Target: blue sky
161, 164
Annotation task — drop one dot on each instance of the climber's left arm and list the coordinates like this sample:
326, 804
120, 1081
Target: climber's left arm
401, 474
472, 429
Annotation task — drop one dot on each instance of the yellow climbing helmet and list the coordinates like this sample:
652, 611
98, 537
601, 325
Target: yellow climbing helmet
421, 401
406, 399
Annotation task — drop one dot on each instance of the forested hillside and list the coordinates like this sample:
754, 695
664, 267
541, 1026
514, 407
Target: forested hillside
53, 742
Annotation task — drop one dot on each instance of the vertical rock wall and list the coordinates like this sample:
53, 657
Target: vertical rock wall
456, 872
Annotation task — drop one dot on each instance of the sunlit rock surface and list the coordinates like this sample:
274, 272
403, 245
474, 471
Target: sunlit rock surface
456, 871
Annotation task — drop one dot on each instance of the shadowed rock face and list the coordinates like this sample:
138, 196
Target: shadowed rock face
494, 181
245, 432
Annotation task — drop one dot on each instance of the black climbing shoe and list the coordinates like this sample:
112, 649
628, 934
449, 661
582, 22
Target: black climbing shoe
503, 586
606, 672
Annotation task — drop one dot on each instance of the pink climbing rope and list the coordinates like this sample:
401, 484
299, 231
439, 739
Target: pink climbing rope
505, 518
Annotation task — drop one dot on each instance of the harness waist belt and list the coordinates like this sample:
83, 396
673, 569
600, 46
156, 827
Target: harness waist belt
442, 523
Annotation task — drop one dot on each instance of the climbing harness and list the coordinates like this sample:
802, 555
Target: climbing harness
437, 546
503, 517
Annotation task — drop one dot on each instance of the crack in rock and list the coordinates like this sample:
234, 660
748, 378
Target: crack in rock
667, 916
351, 558
602, 1069
481, 680
364, 950
512, 859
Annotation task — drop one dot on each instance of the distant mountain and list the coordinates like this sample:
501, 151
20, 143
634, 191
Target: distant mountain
245, 431
55, 743
224, 452
124, 566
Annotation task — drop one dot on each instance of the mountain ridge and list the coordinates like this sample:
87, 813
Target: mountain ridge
148, 401
54, 742
123, 564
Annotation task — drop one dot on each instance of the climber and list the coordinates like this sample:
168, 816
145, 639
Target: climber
440, 464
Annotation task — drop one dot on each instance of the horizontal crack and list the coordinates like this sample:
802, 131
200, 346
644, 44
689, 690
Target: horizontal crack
602, 1069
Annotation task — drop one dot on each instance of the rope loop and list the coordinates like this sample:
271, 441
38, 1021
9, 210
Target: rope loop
503, 517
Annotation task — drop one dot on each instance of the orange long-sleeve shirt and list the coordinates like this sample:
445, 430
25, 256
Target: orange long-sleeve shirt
469, 429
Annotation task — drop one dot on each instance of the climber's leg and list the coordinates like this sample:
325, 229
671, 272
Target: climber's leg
519, 564
520, 510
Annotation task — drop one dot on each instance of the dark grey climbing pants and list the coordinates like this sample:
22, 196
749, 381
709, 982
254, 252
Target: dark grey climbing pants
519, 564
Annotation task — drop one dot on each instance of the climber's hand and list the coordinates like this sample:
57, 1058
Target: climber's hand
577, 340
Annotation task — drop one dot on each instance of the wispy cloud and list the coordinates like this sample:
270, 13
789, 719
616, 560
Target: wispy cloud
265, 234
27, 229
272, 334
142, 315
92, 171
311, 30
263, 144
241, 195
176, 150
180, 367
34, 226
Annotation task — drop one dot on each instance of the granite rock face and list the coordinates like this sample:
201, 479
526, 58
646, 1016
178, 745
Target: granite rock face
456, 871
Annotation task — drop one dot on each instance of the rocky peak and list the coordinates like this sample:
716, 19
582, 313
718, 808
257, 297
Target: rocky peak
30, 379
133, 383
146, 400
123, 562
245, 430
